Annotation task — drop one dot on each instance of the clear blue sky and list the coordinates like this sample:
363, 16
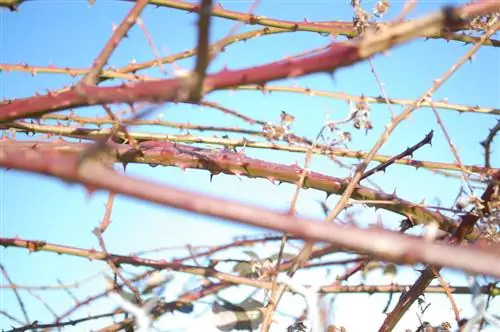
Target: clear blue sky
71, 34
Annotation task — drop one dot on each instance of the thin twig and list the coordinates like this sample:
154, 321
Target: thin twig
452, 147
91, 78
487, 143
16, 293
408, 152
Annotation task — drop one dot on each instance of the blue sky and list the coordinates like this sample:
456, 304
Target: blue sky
71, 34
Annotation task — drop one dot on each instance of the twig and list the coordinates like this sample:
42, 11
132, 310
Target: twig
391, 126
119, 126
466, 226
487, 143
276, 294
16, 293
106, 220
92, 76
448, 292
452, 146
115, 268
60, 285
408, 152
367, 99
36, 325
382, 89
9, 316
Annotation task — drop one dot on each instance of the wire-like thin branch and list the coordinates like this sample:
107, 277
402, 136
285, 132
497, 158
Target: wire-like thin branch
367, 99
37, 325
487, 143
408, 152
16, 293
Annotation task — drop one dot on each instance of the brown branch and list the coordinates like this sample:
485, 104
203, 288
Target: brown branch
117, 260
336, 56
333, 28
330, 27
123, 74
467, 225
92, 254
382, 244
183, 156
203, 57
179, 125
87, 133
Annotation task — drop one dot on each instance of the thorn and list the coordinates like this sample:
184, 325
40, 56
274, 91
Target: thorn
238, 175
324, 207
90, 190
331, 74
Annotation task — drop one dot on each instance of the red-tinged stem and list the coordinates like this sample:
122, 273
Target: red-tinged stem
336, 56
380, 243
168, 90
185, 156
